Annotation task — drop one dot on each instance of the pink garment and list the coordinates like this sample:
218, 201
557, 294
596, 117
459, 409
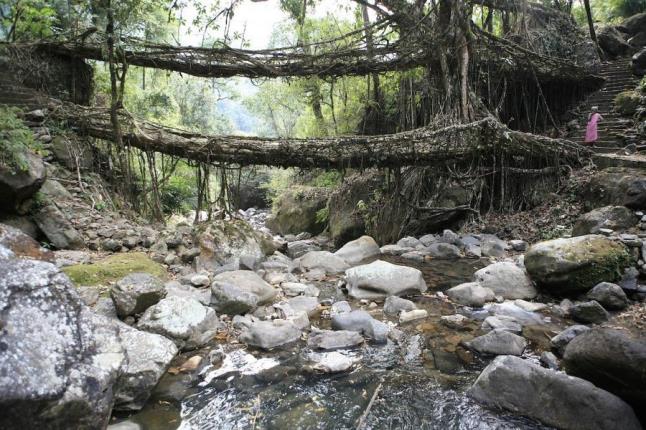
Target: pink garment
591, 129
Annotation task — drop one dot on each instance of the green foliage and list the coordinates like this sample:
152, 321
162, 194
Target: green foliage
609, 11
279, 181
16, 140
326, 179
323, 215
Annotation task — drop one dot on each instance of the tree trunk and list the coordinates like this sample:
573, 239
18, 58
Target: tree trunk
593, 33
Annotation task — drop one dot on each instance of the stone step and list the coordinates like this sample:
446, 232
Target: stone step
613, 160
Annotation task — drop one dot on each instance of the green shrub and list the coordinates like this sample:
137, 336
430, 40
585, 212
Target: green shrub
16, 139
627, 102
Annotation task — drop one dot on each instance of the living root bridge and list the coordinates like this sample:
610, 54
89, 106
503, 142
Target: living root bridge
486, 140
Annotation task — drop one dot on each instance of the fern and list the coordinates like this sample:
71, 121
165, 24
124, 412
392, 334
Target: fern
16, 140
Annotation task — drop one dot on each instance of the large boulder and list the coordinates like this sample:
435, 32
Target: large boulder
239, 292
638, 62
612, 41
506, 279
470, 294
613, 360
322, 260
297, 210
149, 356
611, 217
22, 245
356, 251
574, 265
185, 321
635, 23
136, 292
551, 397
58, 228
58, 360
345, 219
381, 279
19, 184
590, 312
609, 295
229, 244
270, 334
619, 186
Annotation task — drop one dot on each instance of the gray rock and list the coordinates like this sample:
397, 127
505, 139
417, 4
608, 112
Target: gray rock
322, 260
331, 362
200, 280
149, 356
18, 185
361, 322
175, 289
443, 251
299, 248
506, 279
553, 398
340, 307
334, 339
519, 245
613, 360
58, 229
493, 247
356, 251
568, 266
610, 217
456, 321
270, 334
549, 360
610, 296
498, 342
58, 360
239, 292
380, 279
394, 305
502, 322
470, 294
105, 307
309, 305
561, 340
473, 251
428, 239
185, 321
394, 250
408, 242
229, 244
415, 314
292, 289
136, 292
111, 245
448, 236
415, 256
529, 306
612, 41
510, 309
590, 312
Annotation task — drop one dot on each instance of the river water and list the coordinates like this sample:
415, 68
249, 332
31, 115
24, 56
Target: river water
420, 381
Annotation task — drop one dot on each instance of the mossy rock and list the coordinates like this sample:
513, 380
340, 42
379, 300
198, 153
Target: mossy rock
627, 102
575, 265
113, 268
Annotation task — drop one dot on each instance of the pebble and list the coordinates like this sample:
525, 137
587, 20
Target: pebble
415, 314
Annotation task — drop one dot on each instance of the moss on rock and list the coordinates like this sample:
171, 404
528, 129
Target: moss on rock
113, 268
575, 265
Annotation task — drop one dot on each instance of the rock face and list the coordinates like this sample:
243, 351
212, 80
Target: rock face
149, 356
612, 360
136, 292
345, 220
58, 360
22, 245
498, 342
551, 397
270, 334
361, 322
470, 294
619, 186
322, 260
18, 185
506, 279
612, 41
228, 244
569, 266
611, 217
609, 295
58, 229
185, 321
295, 211
356, 251
330, 339
239, 292
635, 23
380, 279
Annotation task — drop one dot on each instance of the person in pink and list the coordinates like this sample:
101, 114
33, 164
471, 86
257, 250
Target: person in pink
591, 134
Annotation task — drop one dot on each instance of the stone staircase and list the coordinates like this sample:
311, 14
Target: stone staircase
13, 93
619, 77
